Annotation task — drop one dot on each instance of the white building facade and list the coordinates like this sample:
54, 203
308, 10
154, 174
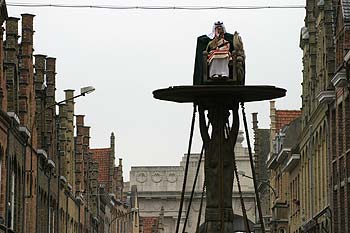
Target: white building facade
161, 186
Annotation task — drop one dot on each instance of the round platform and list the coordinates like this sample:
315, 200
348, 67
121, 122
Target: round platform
205, 93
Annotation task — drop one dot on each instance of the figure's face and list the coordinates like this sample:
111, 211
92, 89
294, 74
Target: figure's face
219, 31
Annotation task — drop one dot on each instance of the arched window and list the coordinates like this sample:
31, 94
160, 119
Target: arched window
282, 230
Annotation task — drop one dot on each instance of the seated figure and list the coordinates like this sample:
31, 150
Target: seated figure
220, 58
219, 55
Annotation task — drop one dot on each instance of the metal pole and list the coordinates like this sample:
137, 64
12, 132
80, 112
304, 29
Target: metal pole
48, 201
186, 169
253, 170
59, 172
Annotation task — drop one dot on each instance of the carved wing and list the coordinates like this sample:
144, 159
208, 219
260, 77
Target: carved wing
238, 43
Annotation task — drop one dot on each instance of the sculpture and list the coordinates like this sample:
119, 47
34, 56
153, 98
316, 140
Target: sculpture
220, 58
219, 156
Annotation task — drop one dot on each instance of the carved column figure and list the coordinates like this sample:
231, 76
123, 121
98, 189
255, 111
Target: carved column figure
219, 157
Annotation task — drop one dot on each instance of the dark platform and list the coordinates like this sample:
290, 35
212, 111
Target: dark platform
208, 93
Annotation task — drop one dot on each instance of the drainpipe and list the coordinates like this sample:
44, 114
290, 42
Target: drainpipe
66, 211
329, 182
79, 229
8, 163
311, 172
59, 174
48, 201
25, 187
37, 188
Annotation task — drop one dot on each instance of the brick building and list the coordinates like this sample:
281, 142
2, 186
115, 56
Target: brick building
49, 178
261, 152
109, 176
284, 139
317, 43
18, 166
339, 121
110, 180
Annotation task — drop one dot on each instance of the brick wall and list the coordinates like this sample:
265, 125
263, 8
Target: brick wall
149, 224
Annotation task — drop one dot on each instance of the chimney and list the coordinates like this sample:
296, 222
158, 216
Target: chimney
26, 82
39, 98
11, 64
113, 144
86, 157
93, 181
79, 152
120, 180
70, 136
111, 164
50, 79
255, 120
273, 123
62, 138
79, 120
256, 143
50, 119
3, 88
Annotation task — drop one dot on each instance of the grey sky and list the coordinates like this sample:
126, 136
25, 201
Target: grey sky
126, 54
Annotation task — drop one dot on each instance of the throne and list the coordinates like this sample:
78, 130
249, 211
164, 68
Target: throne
236, 64
236, 72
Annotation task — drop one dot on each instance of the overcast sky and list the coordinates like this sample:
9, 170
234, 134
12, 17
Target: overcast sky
126, 54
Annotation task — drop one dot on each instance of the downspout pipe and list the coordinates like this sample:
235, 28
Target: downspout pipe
8, 172
79, 225
66, 193
59, 174
48, 200
330, 193
311, 172
24, 185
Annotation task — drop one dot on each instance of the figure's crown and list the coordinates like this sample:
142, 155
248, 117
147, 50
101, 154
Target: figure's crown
218, 23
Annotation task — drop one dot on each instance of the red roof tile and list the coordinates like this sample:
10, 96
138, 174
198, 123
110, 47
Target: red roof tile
284, 117
103, 157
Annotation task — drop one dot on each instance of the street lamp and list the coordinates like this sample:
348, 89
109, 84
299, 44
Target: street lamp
266, 182
132, 210
83, 92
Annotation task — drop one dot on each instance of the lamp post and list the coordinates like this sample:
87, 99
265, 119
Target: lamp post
133, 210
265, 182
83, 92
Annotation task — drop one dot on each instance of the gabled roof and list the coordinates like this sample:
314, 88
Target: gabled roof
103, 157
284, 117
